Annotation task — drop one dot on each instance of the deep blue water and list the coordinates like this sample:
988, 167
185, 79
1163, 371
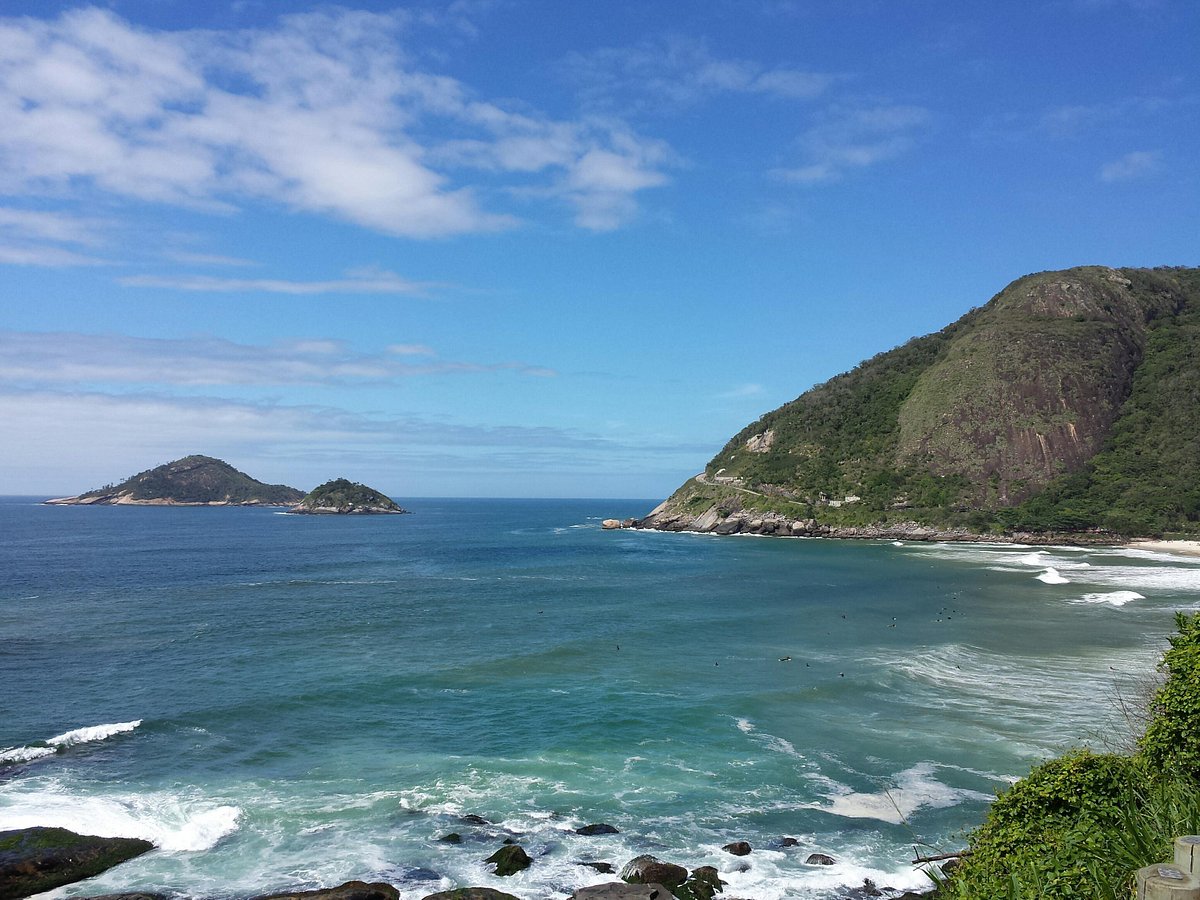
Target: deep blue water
321, 698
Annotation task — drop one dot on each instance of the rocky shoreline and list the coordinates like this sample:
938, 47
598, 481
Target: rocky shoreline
771, 524
34, 860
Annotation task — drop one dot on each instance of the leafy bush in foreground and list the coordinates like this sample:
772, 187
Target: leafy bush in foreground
1080, 825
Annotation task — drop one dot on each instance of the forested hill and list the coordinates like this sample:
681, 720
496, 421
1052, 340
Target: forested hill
191, 481
1068, 402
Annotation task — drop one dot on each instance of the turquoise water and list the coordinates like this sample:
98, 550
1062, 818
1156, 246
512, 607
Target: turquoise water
319, 699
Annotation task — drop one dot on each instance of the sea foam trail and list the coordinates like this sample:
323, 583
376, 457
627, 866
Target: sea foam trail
915, 788
90, 734
169, 821
1052, 576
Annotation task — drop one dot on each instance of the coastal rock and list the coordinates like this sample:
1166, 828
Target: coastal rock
647, 869
133, 895
789, 842
619, 890
738, 848
510, 859
351, 890
820, 859
610, 524
472, 819
598, 828
33, 860
452, 838
471, 893
604, 868
704, 883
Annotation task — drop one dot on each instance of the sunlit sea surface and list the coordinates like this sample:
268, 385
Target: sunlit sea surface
288, 702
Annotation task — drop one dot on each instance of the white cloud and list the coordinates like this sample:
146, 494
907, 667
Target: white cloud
1133, 165
206, 259
743, 390
376, 282
42, 358
322, 113
30, 237
848, 138
679, 72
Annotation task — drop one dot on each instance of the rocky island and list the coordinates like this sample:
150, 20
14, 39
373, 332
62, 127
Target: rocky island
191, 481
344, 497
1066, 409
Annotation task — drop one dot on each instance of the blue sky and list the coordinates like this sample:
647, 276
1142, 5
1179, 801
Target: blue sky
539, 248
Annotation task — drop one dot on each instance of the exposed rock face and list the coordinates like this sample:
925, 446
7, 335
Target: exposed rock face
33, 860
351, 890
510, 859
820, 859
190, 481
738, 848
648, 869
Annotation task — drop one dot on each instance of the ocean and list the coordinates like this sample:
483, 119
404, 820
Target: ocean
289, 702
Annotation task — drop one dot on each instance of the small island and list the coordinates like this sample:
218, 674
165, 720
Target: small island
191, 481
344, 497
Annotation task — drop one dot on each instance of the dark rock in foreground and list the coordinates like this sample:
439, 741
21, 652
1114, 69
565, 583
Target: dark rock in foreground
738, 848
33, 860
820, 859
619, 890
599, 828
471, 893
648, 869
510, 859
351, 890
604, 868
134, 895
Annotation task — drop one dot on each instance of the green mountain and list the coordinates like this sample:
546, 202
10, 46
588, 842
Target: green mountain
346, 497
191, 481
1070, 402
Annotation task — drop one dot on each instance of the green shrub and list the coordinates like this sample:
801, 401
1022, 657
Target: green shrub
1172, 739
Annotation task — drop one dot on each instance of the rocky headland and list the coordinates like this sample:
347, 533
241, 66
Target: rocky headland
1064, 410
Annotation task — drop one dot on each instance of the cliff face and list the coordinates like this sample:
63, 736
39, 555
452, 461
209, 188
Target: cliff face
190, 481
1000, 420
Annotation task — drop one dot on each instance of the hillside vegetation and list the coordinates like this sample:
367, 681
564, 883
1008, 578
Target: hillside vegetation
194, 481
1070, 401
344, 496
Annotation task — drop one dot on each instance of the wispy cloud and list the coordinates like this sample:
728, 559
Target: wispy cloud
44, 358
206, 259
370, 282
678, 72
849, 138
31, 237
322, 112
742, 390
1136, 164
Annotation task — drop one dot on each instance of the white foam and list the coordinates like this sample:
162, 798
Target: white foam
171, 822
1052, 576
1032, 559
745, 726
915, 788
24, 754
92, 733
1112, 598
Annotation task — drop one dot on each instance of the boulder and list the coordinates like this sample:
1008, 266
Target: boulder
33, 860
473, 819
738, 848
704, 883
819, 859
510, 859
471, 893
452, 838
599, 828
132, 895
610, 524
789, 842
648, 869
351, 890
604, 868
619, 890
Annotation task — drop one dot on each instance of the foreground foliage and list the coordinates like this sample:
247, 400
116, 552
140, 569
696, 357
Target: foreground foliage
1080, 825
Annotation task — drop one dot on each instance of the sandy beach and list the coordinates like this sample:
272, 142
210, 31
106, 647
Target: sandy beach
1182, 548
